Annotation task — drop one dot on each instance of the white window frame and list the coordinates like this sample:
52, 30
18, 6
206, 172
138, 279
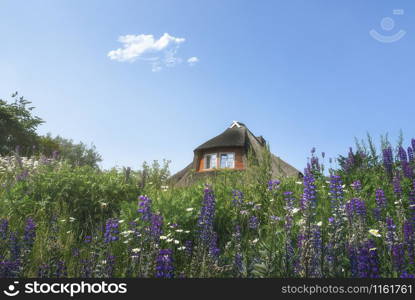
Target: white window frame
205, 161
234, 159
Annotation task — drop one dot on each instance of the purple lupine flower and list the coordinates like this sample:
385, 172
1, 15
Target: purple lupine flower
289, 200
301, 240
350, 161
357, 185
156, 229
391, 232
309, 195
14, 246
213, 246
323, 154
356, 207
408, 239
380, 203
412, 204
410, 154
413, 143
397, 188
109, 266
388, 160
207, 215
164, 264
314, 164
253, 222
144, 207
353, 259
188, 248
87, 239
336, 192
86, 270
313, 150
368, 261
43, 271
61, 271
237, 197
111, 231
238, 267
406, 168
9, 269
29, 233
289, 206
398, 257
316, 252
4, 226
405, 274
273, 184
363, 262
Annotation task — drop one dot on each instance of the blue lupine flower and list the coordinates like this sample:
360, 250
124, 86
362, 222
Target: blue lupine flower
145, 208
336, 192
156, 229
380, 203
4, 226
309, 195
164, 264
391, 232
410, 154
206, 217
29, 233
253, 222
388, 160
273, 184
237, 197
111, 231
356, 207
406, 168
357, 185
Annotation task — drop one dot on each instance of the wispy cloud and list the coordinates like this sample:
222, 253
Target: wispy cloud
193, 60
159, 53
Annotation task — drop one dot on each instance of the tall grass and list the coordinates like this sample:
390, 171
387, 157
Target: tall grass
354, 221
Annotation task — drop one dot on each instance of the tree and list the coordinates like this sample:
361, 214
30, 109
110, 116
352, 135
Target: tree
18, 126
76, 154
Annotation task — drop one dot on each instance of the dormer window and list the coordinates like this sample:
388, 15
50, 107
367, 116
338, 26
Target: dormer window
210, 161
227, 160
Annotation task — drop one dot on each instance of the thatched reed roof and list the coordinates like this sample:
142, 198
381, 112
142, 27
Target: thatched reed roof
238, 135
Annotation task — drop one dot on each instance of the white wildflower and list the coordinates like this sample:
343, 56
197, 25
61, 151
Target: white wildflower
375, 232
190, 209
163, 237
295, 210
135, 250
179, 230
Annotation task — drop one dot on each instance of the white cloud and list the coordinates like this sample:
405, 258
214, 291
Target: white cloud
192, 60
158, 52
135, 46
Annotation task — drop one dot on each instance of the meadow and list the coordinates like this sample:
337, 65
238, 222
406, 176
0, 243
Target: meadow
352, 216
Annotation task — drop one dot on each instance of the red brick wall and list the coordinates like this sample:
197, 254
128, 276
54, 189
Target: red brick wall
239, 160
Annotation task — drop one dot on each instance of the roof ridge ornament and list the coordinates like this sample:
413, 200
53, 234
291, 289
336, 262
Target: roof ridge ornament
235, 123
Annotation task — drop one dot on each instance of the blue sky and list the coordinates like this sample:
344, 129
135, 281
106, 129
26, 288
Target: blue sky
301, 73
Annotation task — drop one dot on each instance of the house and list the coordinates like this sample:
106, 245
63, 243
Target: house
229, 150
